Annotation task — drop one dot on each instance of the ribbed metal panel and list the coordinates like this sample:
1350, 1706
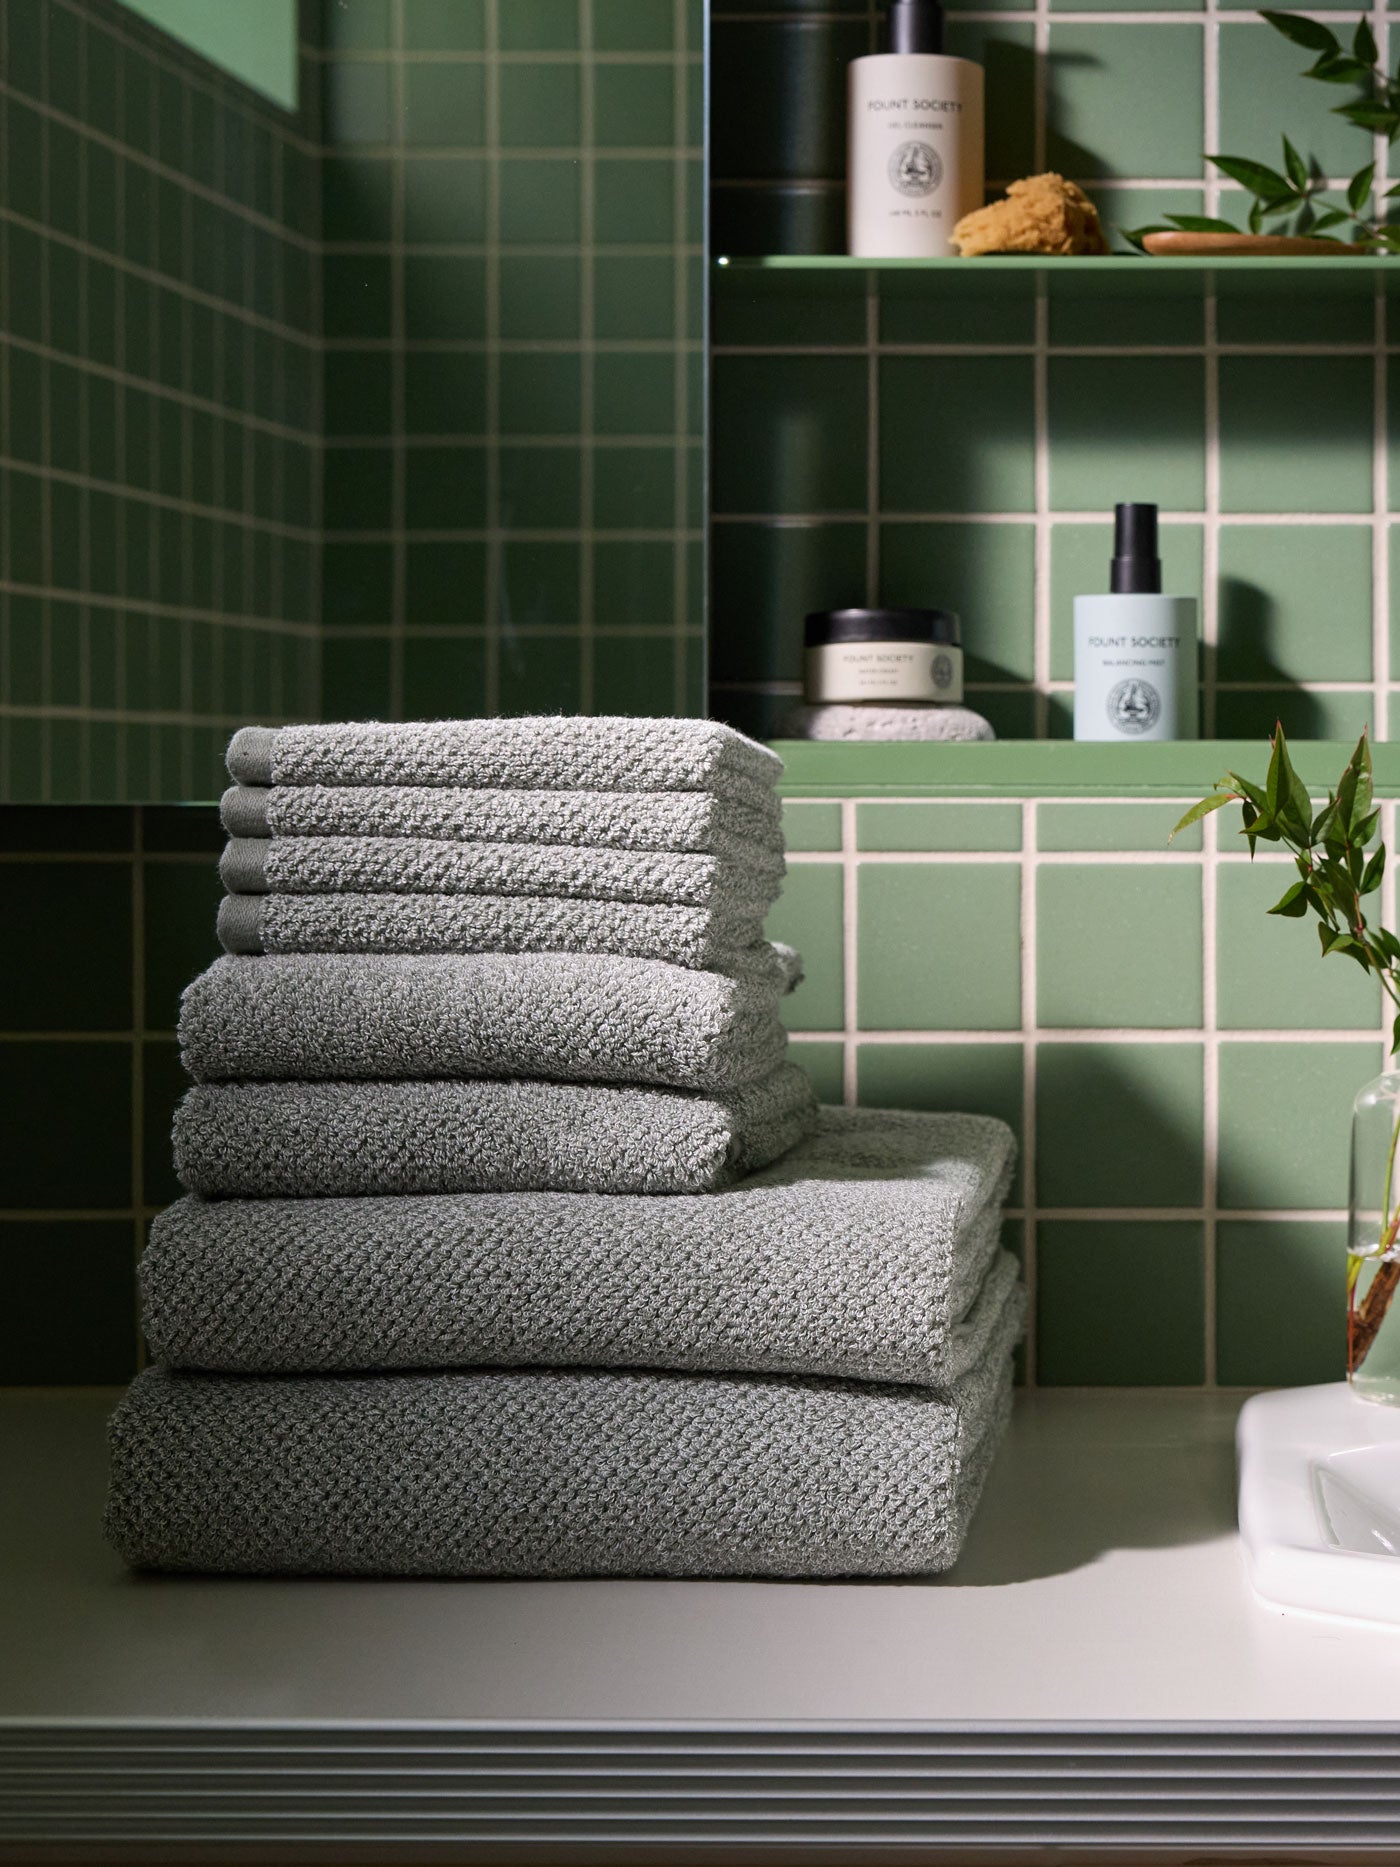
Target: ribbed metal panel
754, 1788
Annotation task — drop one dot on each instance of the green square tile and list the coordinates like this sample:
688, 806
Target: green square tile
1270, 971
356, 679
1308, 450
65, 1110
444, 677
70, 1314
444, 105
1275, 582
1280, 1302
24, 160
782, 430
634, 393
766, 578
540, 393
1120, 1304
540, 674
634, 297
636, 675
811, 826
53, 975
1126, 101
444, 295
808, 916
634, 582
24, 404
444, 393
540, 488
539, 586
1119, 1124
539, 106
359, 25
970, 1079
825, 1067
357, 295
445, 488
539, 201
984, 573
1285, 1121
358, 486
445, 26
540, 296
358, 583
634, 106
1120, 429
939, 946
65, 188
632, 26
445, 583
24, 48
934, 826
358, 392
1115, 826
444, 200
181, 903
356, 196
1252, 714
1079, 566
540, 26
1263, 91
1116, 948
984, 460
355, 102
1006, 53
634, 200
633, 489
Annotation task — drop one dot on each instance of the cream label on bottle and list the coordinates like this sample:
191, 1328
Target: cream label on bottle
839, 672
1134, 667
915, 152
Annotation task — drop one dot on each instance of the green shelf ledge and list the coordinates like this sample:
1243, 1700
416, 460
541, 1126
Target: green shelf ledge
1057, 767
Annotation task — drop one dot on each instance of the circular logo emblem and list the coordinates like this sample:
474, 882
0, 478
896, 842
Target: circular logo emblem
942, 671
916, 169
1134, 706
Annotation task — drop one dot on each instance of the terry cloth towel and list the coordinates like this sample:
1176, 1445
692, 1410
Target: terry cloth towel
541, 753
575, 1017
860, 1253
553, 1473
655, 820
375, 865
714, 939
320, 1140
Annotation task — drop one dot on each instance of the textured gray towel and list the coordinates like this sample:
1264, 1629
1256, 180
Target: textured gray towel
553, 1473
656, 820
715, 939
575, 1017
541, 753
266, 1140
858, 1254
376, 865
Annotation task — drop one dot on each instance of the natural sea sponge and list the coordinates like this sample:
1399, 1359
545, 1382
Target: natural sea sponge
1042, 214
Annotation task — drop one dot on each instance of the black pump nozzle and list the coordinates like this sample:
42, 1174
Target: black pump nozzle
914, 26
1136, 569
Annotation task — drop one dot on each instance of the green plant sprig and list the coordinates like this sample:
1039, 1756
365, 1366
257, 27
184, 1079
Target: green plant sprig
1295, 196
1335, 874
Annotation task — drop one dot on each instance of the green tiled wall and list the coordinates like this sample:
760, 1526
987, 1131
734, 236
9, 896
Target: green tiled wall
910, 441
159, 408
1140, 1021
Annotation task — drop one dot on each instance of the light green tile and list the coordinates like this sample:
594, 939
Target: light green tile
633, 105
1118, 947
1263, 93
539, 26
1121, 428
1280, 1302
1126, 101
1119, 1124
1120, 1303
1306, 450
1277, 584
984, 457
1285, 1121
1271, 973
939, 946
539, 201
1079, 566
984, 573
1115, 826
539, 106
825, 1064
808, 915
969, 1079
444, 105
811, 826
919, 826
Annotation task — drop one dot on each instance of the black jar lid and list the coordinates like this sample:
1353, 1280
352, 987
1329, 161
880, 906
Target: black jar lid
825, 626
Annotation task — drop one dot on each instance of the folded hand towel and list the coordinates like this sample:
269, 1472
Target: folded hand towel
553, 1473
715, 939
374, 865
550, 753
657, 820
574, 1017
263, 1140
860, 1253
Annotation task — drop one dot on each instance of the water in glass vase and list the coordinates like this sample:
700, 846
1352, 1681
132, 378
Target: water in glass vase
1373, 1243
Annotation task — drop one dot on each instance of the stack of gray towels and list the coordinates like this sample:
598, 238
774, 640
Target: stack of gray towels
514, 1243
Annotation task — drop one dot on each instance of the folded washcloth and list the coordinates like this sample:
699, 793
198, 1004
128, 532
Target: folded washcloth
548, 1473
719, 938
860, 1253
656, 820
264, 1140
543, 753
575, 1017
376, 865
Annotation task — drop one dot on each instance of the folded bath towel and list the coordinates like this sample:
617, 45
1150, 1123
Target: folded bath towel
655, 820
374, 865
574, 1017
264, 1140
716, 939
553, 1473
858, 1254
543, 753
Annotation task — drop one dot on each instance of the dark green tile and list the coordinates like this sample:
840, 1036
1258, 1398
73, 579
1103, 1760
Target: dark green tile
358, 297
444, 295
1275, 582
539, 201
1280, 1302
633, 106
540, 296
1122, 430
446, 488
70, 1312
65, 947
358, 392
540, 488
357, 197
782, 428
1006, 53
633, 489
358, 488
540, 392
539, 586
825, 1067
632, 26
634, 392
65, 1109
444, 676
444, 105
634, 296
539, 106
808, 916
540, 674
181, 904
445, 26
356, 678
1271, 1095
939, 946
358, 25
1119, 1124
634, 581
359, 583
634, 200
444, 393
766, 579
1306, 451
355, 102
24, 160
984, 573
1120, 1304
984, 459
445, 583
540, 26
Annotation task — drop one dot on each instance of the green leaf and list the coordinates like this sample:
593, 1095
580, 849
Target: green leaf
1375, 869
1203, 809
1332, 218
1257, 177
1360, 765
1359, 187
1365, 830
1198, 223
1338, 68
1294, 904
1370, 116
1256, 217
1292, 805
1363, 43
1253, 792
1305, 32
1295, 167
1395, 1035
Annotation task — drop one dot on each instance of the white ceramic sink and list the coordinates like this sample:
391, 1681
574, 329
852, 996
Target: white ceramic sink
1319, 1501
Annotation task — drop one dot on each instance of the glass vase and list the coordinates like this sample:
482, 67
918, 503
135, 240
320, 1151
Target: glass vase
1373, 1243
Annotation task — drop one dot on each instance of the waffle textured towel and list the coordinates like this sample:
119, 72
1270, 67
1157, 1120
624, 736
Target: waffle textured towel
268, 1140
577, 1017
716, 938
860, 1253
656, 820
375, 865
549, 753
553, 1473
